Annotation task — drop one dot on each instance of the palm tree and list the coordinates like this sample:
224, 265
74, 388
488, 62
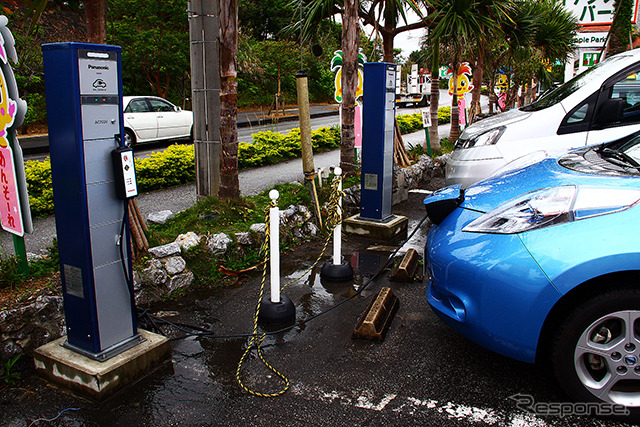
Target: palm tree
620, 33
385, 16
229, 183
460, 23
349, 84
539, 32
435, 96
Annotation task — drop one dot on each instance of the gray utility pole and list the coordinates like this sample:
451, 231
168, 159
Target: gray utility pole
205, 88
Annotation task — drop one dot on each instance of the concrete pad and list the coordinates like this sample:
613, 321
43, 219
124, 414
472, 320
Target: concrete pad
396, 227
98, 380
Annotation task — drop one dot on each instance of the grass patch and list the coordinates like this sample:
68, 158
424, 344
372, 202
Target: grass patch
446, 145
10, 276
214, 216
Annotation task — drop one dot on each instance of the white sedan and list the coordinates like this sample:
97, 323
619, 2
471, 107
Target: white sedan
150, 118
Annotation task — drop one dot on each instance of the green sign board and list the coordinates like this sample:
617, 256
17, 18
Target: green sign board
589, 59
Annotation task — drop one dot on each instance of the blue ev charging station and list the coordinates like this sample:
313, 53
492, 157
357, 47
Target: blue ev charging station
93, 175
378, 119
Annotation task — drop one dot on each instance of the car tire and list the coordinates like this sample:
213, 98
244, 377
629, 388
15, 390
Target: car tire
129, 138
423, 102
191, 135
596, 353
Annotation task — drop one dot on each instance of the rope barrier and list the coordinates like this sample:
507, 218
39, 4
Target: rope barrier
334, 218
256, 339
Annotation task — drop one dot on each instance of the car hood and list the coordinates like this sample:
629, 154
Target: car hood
490, 193
501, 119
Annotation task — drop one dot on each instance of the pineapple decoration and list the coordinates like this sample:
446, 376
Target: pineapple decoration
336, 65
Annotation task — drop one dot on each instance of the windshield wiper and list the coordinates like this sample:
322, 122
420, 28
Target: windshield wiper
621, 156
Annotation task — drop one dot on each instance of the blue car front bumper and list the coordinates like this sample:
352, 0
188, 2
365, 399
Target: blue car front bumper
487, 286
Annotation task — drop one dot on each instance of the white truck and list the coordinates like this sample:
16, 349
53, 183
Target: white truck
416, 91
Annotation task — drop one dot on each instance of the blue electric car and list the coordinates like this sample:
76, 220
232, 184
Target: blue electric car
541, 261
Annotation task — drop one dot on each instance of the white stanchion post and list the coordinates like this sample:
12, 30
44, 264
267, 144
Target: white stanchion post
337, 231
336, 269
274, 246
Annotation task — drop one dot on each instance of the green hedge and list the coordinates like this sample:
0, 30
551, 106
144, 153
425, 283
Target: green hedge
175, 165
444, 115
168, 168
413, 122
272, 147
409, 122
39, 186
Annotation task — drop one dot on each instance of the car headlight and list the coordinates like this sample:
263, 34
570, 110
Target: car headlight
550, 206
489, 137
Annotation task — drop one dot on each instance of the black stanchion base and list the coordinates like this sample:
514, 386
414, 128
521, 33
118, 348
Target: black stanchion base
276, 312
336, 272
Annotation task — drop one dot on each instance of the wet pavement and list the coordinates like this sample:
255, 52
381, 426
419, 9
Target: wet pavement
423, 373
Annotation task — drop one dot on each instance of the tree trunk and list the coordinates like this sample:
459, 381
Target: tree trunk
387, 47
528, 99
349, 85
493, 98
620, 32
95, 12
476, 108
455, 117
229, 184
434, 138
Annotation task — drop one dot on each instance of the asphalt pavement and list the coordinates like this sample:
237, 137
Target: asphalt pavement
421, 373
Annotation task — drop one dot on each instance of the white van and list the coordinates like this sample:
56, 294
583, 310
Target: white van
599, 105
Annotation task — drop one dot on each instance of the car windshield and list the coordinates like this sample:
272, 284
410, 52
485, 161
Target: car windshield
596, 72
629, 148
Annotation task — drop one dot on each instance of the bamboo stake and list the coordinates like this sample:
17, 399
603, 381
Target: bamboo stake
135, 231
143, 224
140, 224
403, 157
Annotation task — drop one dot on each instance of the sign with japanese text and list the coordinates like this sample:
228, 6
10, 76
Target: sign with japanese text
426, 117
12, 111
595, 12
10, 209
462, 111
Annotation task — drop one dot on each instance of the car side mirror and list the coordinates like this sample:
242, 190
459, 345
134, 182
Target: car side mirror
610, 111
178, 108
